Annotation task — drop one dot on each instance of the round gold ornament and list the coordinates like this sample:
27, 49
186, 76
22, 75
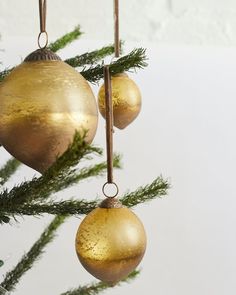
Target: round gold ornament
126, 100
43, 101
110, 242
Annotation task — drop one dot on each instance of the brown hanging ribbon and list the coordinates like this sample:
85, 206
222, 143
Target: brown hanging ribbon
42, 15
109, 130
42, 18
116, 29
109, 124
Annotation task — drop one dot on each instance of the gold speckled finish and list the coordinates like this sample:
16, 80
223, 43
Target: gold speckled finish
110, 243
126, 99
42, 104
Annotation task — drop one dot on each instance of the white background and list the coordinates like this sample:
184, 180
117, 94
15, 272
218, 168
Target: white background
211, 22
186, 132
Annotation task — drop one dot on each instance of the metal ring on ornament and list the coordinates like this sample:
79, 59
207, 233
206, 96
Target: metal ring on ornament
46, 39
116, 187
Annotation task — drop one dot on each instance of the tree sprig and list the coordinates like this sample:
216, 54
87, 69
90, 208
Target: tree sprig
27, 261
157, 189
53, 179
96, 288
8, 170
136, 59
90, 58
54, 46
65, 40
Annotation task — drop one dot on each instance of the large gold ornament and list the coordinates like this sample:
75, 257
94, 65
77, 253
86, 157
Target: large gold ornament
110, 242
43, 102
126, 99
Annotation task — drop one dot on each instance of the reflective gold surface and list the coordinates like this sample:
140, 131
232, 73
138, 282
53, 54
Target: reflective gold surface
126, 99
110, 243
42, 104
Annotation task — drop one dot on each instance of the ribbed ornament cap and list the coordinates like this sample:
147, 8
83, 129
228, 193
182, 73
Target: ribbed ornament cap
110, 203
42, 54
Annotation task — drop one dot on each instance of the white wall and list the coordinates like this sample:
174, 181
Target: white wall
204, 22
186, 131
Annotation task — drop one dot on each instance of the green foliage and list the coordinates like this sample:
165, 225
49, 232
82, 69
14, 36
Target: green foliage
90, 58
156, 189
61, 175
65, 40
12, 277
9, 168
136, 59
93, 289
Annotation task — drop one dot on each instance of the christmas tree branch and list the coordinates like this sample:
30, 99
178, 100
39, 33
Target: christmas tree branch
156, 189
12, 277
96, 288
87, 172
51, 181
54, 46
90, 58
134, 60
61, 175
8, 170
65, 40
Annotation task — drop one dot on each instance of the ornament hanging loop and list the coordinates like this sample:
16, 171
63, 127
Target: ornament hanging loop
105, 186
109, 132
45, 41
116, 28
42, 18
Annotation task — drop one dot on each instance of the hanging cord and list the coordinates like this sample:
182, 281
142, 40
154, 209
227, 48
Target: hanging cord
109, 131
42, 18
116, 28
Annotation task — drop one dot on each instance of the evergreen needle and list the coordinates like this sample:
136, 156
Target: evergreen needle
27, 261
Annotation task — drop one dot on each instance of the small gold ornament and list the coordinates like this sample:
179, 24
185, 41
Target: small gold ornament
126, 100
110, 241
43, 101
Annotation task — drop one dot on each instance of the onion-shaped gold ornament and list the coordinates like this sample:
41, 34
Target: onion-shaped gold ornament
110, 242
126, 100
43, 101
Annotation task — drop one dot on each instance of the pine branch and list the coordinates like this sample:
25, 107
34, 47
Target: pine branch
54, 46
95, 170
27, 261
134, 60
156, 189
65, 40
96, 288
8, 170
70, 207
60, 176
92, 57
5, 73
51, 181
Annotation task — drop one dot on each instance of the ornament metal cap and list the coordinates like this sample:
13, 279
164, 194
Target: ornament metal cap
111, 203
42, 54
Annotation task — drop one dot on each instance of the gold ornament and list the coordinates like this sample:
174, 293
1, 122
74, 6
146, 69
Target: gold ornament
43, 102
110, 242
126, 99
